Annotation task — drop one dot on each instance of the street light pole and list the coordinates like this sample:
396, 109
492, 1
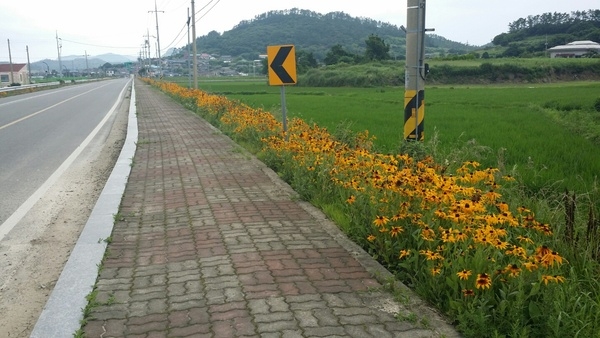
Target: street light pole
47, 68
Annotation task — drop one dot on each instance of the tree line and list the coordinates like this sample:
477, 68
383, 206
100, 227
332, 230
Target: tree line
554, 19
561, 28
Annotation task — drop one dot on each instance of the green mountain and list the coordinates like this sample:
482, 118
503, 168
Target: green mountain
314, 33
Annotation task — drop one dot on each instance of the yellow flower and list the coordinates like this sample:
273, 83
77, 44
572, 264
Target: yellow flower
395, 231
500, 244
513, 270
547, 278
468, 292
447, 235
436, 271
525, 239
530, 266
492, 196
503, 207
398, 216
371, 238
460, 236
483, 281
381, 220
551, 258
430, 255
427, 234
351, 199
404, 253
464, 274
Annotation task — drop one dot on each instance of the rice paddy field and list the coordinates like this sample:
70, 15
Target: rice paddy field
516, 128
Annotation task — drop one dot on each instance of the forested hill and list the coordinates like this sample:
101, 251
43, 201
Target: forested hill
311, 32
533, 34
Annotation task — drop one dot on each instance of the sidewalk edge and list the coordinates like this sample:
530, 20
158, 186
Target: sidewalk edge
61, 316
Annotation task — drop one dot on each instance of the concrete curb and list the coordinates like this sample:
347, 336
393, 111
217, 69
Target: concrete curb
62, 314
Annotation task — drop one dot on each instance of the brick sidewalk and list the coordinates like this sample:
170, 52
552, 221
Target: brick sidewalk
210, 243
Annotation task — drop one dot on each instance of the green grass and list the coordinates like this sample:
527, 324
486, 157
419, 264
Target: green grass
502, 126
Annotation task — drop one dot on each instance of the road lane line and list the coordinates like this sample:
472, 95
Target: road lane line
16, 217
50, 107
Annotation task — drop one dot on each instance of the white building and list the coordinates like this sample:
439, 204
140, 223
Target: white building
15, 73
574, 49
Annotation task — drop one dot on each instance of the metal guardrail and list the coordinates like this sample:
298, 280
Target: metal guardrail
36, 85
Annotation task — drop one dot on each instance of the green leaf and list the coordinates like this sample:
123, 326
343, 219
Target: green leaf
534, 310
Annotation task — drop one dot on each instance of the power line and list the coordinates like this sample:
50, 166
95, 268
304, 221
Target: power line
201, 9
178, 34
209, 9
101, 46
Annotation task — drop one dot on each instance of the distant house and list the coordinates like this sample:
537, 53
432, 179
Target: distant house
574, 49
19, 74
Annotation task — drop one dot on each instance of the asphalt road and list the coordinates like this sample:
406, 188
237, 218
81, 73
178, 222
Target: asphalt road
41, 133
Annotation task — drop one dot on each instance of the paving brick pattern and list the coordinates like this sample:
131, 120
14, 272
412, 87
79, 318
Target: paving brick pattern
210, 243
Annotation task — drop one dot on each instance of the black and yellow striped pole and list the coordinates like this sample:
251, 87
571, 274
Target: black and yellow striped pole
414, 87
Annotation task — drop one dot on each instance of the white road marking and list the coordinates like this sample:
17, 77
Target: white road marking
16, 217
47, 108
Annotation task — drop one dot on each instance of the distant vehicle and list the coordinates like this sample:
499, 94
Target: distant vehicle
14, 84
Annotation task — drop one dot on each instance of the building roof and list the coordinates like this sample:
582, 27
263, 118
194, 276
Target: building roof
577, 46
16, 67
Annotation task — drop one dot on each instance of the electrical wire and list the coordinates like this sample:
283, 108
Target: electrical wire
101, 46
209, 9
179, 35
176, 37
200, 10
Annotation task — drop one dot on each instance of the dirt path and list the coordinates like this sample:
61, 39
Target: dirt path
32, 256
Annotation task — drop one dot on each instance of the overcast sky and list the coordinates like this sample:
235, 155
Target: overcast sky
119, 26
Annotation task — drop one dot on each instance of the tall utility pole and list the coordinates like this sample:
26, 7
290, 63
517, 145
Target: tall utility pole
194, 46
148, 49
87, 67
28, 66
58, 47
157, 37
12, 79
188, 50
414, 93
